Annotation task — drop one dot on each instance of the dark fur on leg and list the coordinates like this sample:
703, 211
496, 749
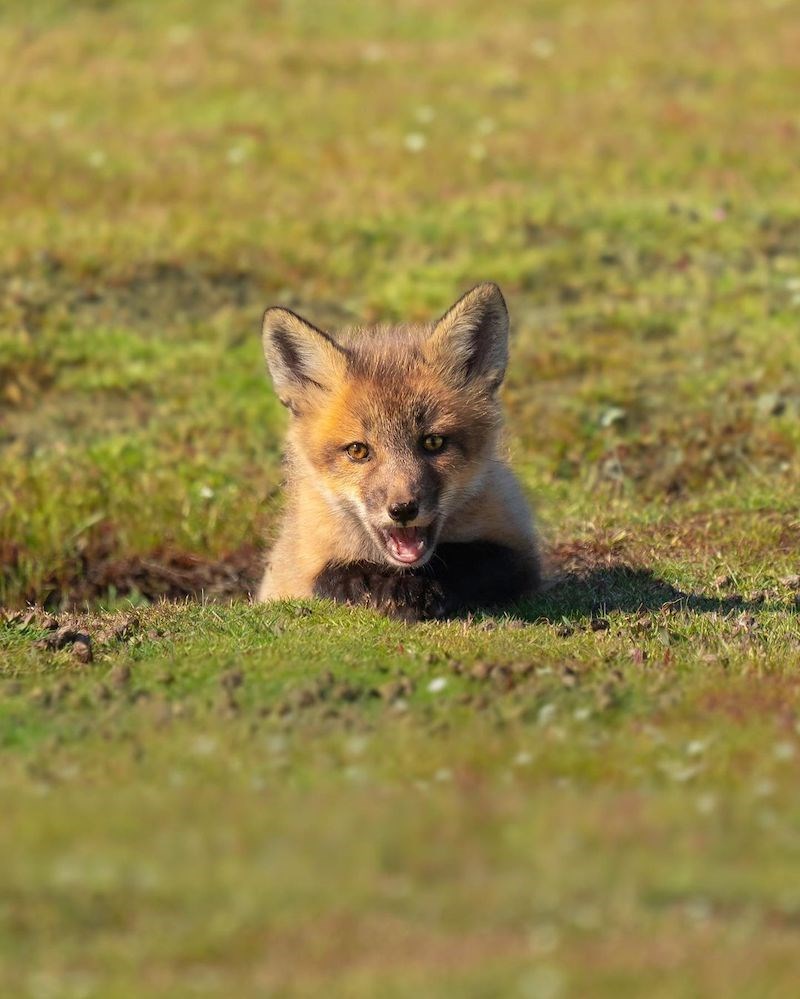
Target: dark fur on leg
460, 576
406, 595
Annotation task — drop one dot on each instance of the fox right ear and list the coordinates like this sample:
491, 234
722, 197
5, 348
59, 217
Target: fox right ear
470, 341
299, 356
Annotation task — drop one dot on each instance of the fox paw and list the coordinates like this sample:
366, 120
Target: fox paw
409, 598
398, 595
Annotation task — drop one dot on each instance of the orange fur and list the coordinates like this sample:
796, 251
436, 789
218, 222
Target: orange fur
385, 387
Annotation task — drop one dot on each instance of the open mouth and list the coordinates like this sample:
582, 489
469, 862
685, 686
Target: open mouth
408, 545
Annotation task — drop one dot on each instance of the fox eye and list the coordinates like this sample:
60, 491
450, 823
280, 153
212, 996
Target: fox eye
433, 443
357, 451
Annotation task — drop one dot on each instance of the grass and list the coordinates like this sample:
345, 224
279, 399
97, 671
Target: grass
592, 795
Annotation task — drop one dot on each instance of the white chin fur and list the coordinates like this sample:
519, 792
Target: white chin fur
425, 557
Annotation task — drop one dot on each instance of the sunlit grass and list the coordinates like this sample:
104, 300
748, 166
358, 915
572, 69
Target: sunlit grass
592, 795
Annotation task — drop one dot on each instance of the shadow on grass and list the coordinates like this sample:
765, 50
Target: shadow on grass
597, 591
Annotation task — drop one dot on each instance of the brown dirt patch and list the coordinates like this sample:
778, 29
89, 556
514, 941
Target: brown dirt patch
165, 573
346, 943
700, 536
139, 297
580, 558
774, 696
684, 455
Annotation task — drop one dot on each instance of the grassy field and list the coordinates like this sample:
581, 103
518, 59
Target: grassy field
593, 796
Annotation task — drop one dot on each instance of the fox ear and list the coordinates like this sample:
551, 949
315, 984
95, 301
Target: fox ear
470, 341
299, 356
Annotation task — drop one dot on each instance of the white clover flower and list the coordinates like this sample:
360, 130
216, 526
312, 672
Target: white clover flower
356, 745
415, 142
706, 803
546, 712
763, 788
204, 745
542, 48
373, 53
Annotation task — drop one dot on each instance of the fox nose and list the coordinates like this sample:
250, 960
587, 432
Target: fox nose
401, 513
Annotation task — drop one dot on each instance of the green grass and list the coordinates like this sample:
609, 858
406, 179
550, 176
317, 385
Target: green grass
592, 795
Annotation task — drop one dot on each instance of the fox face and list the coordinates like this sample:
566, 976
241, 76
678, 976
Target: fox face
395, 426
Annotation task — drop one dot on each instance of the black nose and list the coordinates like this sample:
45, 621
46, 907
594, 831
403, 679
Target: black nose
403, 512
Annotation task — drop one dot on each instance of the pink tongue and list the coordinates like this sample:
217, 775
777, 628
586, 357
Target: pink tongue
408, 542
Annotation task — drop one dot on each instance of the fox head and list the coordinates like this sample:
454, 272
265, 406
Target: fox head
396, 426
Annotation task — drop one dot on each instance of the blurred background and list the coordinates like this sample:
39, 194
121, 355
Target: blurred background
627, 171
596, 796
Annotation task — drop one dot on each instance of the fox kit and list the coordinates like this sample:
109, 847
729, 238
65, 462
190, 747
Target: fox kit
399, 497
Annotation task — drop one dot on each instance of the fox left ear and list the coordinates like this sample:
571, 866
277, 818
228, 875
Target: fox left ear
470, 341
300, 357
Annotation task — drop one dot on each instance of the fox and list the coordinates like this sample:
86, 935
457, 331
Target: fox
399, 495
